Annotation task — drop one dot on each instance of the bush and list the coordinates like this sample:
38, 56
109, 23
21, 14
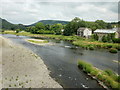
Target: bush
118, 78
118, 47
113, 50
109, 46
91, 48
94, 73
116, 40
109, 72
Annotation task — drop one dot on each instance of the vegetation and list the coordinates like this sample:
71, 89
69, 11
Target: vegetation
38, 42
51, 22
71, 27
9, 26
113, 50
70, 30
75, 40
108, 77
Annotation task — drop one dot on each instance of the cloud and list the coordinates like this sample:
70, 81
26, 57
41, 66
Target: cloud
28, 12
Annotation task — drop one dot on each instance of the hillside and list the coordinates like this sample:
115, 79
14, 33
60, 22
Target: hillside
9, 26
50, 22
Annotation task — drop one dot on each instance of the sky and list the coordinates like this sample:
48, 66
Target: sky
30, 11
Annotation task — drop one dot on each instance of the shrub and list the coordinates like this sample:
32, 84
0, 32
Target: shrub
94, 73
109, 72
91, 48
113, 50
109, 46
116, 40
118, 47
118, 78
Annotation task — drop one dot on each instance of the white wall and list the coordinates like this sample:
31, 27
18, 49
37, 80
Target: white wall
87, 32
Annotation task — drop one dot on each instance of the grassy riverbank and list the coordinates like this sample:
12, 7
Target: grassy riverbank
107, 77
75, 40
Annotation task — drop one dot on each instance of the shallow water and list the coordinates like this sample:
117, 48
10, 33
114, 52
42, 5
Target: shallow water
61, 59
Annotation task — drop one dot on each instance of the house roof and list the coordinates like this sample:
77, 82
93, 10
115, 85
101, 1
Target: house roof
105, 31
83, 28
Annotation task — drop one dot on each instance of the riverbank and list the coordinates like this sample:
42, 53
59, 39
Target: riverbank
105, 78
21, 68
75, 40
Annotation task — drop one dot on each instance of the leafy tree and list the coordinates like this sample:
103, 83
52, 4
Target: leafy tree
18, 30
95, 36
109, 26
33, 30
57, 28
47, 27
104, 39
40, 26
71, 28
101, 24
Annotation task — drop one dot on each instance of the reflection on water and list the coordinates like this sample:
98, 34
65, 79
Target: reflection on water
61, 59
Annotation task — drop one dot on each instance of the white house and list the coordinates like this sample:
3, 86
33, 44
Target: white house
84, 32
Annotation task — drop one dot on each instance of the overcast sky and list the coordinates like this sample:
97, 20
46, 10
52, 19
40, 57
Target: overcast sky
30, 11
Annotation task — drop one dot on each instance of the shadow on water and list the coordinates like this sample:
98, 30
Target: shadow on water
61, 59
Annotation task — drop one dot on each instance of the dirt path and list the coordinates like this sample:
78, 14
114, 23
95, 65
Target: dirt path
22, 68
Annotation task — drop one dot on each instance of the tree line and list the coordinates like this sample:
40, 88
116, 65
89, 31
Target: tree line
69, 29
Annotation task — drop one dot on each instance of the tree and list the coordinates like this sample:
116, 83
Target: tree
33, 30
47, 27
95, 36
18, 30
40, 26
101, 23
57, 28
104, 38
72, 27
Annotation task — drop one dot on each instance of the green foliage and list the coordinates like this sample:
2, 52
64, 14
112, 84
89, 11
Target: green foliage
18, 30
104, 38
40, 26
113, 50
51, 22
91, 48
71, 27
38, 42
45, 32
101, 23
57, 28
95, 36
9, 26
116, 40
109, 72
108, 77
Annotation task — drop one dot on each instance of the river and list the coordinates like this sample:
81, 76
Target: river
62, 57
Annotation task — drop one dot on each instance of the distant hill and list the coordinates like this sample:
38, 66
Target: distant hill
50, 22
4, 24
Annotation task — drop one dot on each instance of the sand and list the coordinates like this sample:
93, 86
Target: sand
21, 68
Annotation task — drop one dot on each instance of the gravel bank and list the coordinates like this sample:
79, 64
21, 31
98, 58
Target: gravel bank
22, 68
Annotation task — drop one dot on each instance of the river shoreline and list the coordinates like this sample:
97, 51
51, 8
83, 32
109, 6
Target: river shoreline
75, 40
21, 68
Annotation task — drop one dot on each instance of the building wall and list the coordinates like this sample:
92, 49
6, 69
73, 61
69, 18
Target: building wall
87, 33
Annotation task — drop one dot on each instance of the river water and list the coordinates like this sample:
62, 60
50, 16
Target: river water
61, 59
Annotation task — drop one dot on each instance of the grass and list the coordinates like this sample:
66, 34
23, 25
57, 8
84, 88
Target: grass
38, 42
76, 40
108, 77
